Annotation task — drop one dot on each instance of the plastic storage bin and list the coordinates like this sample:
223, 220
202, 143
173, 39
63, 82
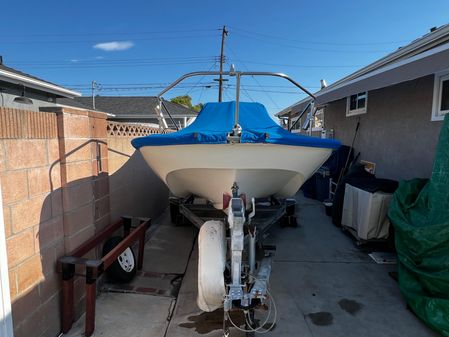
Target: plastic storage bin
365, 213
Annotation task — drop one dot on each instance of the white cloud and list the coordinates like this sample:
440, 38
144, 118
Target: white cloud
114, 45
74, 60
99, 57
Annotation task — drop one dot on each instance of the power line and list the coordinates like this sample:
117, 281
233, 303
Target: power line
147, 85
273, 91
309, 49
202, 77
280, 86
277, 37
127, 65
165, 84
245, 92
115, 33
130, 92
227, 95
113, 60
68, 41
192, 88
170, 59
255, 79
299, 65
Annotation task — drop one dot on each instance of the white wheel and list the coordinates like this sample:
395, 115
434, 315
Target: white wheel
126, 260
124, 268
211, 265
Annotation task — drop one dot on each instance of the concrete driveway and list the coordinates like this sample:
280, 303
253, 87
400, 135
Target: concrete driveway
323, 285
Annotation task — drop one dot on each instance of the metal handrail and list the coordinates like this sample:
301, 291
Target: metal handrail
238, 75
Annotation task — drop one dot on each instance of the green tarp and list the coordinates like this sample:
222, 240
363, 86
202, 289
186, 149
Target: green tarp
419, 213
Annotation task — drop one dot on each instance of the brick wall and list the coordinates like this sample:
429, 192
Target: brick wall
65, 174
55, 187
134, 189
83, 164
28, 147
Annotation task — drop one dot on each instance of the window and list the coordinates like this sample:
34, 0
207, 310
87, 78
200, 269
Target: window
316, 123
296, 128
356, 104
318, 120
440, 96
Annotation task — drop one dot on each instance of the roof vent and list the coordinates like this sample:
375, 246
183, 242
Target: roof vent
323, 83
433, 29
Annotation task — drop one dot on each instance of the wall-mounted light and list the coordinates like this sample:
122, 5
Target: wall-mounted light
22, 99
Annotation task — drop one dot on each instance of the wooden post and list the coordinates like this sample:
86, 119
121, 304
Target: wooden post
94, 268
91, 289
68, 273
127, 221
92, 273
141, 249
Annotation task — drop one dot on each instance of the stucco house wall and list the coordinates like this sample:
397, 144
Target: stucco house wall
396, 133
39, 99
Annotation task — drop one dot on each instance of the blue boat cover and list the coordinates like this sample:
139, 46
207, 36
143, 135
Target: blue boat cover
216, 120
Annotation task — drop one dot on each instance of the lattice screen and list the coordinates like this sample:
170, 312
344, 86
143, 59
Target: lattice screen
131, 129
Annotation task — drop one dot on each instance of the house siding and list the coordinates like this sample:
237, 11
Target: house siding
39, 98
396, 133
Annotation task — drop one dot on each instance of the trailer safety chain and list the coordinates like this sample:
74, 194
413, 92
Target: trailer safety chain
249, 321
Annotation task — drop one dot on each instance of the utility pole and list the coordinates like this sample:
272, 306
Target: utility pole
224, 33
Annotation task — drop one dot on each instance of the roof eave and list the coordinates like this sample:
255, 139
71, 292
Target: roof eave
36, 84
429, 62
415, 45
288, 110
147, 116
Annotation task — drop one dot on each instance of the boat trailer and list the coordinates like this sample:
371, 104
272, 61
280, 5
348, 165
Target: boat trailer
246, 266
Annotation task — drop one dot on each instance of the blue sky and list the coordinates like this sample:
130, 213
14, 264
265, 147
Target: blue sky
140, 45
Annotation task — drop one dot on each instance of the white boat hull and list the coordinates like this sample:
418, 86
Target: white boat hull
209, 170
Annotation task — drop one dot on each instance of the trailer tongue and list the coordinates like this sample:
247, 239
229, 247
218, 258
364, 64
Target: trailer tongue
233, 264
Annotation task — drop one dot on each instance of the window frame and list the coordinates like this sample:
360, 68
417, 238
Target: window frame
357, 111
437, 113
320, 111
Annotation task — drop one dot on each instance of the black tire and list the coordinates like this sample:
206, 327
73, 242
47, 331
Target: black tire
175, 215
116, 272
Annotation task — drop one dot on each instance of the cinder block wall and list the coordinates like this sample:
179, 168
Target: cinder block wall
134, 188
54, 178
83, 160
60, 184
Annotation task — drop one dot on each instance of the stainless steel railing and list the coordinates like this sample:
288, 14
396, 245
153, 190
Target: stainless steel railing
238, 75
